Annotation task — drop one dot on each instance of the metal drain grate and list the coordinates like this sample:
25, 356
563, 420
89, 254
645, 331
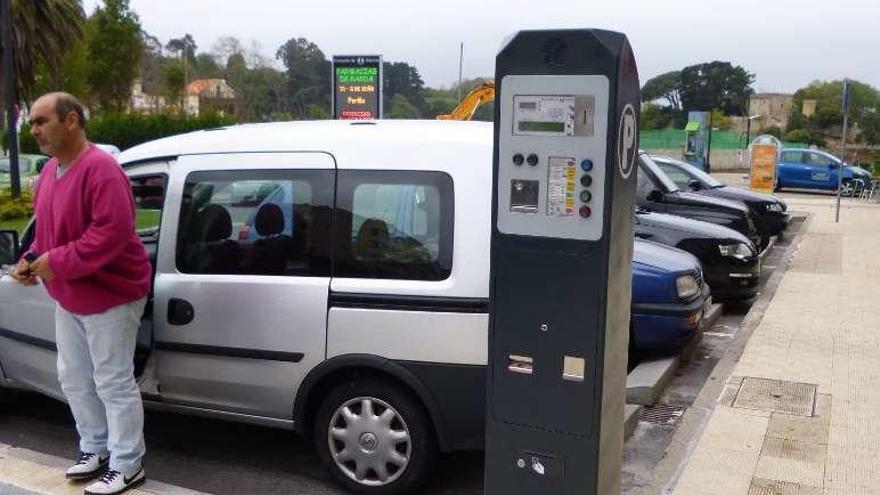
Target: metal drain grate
661, 415
777, 396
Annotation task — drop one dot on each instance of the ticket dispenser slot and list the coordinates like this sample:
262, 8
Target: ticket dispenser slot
565, 149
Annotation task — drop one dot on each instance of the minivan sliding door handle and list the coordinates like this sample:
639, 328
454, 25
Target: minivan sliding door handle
180, 312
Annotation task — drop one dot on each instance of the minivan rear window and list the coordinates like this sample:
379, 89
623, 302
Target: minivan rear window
394, 225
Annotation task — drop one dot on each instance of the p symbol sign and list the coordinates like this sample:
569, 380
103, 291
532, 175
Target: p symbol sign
626, 141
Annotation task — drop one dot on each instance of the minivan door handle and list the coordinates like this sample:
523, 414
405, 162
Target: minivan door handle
180, 312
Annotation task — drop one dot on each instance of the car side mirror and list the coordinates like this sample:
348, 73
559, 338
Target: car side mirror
695, 185
656, 196
8, 247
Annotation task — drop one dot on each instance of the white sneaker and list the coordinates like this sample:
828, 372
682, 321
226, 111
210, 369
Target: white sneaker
113, 482
89, 466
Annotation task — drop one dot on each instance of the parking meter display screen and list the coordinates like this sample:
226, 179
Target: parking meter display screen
554, 115
357, 86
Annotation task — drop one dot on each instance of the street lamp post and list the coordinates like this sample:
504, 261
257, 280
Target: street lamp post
749, 127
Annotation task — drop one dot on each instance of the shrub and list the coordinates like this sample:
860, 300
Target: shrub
10, 208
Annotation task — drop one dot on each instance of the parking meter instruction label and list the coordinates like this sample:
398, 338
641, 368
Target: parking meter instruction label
561, 186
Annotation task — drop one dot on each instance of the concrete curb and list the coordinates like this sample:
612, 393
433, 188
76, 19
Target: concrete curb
646, 382
26, 472
712, 315
696, 417
630, 420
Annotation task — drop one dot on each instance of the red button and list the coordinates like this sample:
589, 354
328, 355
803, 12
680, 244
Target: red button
585, 211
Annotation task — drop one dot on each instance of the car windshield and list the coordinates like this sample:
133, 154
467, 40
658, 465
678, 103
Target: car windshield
697, 173
4, 165
661, 176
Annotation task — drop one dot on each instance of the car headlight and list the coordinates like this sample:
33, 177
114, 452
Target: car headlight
738, 250
775, 207
687, 286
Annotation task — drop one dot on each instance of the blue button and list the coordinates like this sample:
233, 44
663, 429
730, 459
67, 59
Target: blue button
587, 165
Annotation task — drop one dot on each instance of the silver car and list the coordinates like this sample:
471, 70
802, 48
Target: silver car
346, 298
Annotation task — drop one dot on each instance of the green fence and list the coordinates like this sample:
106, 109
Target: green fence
674, 138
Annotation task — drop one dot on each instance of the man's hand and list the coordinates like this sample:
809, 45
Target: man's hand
41, 268
23, 274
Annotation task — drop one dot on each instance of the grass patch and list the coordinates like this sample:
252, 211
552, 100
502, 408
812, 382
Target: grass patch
16, 224
145, 219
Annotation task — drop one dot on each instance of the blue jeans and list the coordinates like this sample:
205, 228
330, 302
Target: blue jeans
96, 372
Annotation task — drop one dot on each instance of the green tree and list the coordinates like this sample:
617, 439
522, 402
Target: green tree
654, 117
828, 95
185, 47
870, 127
115, 49
71, 77
716, 85
206, 67
308, 76
665, 86
152, 64
400, 78
175, 82
401, 108
42, 32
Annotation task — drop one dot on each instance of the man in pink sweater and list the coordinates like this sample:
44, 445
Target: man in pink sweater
88, 256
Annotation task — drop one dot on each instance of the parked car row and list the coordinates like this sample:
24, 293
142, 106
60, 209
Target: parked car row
320, 275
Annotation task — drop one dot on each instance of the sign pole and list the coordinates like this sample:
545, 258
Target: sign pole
843, 138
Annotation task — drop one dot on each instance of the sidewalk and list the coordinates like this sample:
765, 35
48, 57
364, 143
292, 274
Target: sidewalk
25, 472
799, 413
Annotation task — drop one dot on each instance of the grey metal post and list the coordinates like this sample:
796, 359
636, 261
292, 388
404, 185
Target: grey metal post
843, 138
460, 65
10, 92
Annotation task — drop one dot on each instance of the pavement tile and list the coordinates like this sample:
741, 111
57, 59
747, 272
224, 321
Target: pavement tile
792, 461
813, 331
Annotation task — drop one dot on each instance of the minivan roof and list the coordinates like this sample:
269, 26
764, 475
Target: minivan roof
332, 136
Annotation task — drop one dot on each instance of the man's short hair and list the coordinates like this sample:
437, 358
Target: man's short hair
66, 103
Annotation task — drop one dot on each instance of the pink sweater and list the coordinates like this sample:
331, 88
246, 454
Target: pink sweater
86, 222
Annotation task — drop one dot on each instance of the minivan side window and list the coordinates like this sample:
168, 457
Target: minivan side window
791, 156
256, 222
149, 196
394, 225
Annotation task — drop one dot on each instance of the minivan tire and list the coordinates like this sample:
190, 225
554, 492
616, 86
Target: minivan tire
397, 432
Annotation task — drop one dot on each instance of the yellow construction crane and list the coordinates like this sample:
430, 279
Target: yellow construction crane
483, 93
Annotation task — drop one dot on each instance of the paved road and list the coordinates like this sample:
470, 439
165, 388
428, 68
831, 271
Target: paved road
229, 458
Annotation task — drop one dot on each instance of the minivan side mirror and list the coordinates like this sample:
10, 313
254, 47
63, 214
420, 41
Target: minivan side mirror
8, 247
655, 196
695, 185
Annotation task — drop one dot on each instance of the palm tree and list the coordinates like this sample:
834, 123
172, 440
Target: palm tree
43, 31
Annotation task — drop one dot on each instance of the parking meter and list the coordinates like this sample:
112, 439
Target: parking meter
565, 154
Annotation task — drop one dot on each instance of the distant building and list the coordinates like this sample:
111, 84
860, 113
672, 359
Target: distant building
144, 103
210, 95
774, 109
809, 108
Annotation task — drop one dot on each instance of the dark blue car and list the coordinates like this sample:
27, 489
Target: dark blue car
815, 169
668, 297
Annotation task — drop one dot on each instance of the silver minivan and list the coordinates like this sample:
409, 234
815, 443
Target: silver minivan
326, 277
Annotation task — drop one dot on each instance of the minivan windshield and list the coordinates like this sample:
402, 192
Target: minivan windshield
659, 174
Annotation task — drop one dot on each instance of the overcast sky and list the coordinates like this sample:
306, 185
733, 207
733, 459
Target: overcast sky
786, 43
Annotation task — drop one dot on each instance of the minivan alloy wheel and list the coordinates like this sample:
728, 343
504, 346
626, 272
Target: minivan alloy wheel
369, 441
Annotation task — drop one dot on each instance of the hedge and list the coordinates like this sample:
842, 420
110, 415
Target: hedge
126, 131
